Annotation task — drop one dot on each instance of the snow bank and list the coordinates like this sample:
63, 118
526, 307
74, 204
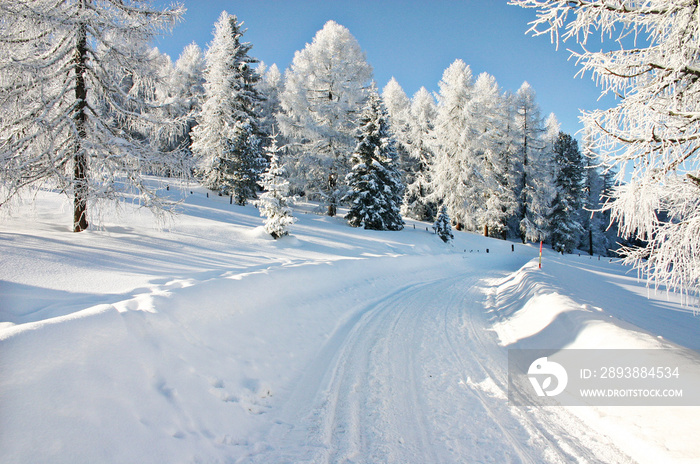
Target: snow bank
581, 303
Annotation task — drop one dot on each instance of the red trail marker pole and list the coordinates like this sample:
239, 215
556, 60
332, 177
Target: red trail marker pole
540, 254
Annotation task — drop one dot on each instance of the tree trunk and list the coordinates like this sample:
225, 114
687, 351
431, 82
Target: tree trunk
332, 182
523, 191
590, 242
486, 230
80, 160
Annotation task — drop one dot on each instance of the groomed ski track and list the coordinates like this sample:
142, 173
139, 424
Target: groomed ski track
417, 376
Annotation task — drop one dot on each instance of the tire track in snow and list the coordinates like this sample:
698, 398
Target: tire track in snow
473, 367
564, 436
394, 384
344, 394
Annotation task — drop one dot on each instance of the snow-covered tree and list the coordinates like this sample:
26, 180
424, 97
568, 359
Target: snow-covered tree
455, 176
375, 183
489, 115
442, 226
270, 86
187, 86
398, 107
530, 165
564, 219
324, 91
654, 130
274, 202
227, 140
68, 119
594, 221
417, 201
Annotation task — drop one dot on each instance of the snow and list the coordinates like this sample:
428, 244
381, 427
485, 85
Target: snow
202, 339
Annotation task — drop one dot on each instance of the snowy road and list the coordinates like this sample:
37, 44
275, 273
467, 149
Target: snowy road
416, 376
211, 342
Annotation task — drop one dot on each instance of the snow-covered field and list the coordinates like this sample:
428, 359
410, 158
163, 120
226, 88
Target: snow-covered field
204, 340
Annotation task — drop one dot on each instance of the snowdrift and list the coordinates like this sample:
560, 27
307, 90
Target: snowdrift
579, 302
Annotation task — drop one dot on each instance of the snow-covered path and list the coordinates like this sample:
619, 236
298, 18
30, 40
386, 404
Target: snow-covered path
211, 342
416, 377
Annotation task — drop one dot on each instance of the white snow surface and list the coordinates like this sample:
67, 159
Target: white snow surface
203, 340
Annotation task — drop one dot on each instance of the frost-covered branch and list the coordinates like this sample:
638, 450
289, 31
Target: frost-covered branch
654, 131
76, 91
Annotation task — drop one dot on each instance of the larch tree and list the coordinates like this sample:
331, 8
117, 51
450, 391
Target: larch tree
270, 87
398, 107
490, 117
375, 185
529, 148
187, 86
227, 140
455, 168
652, 136
594, 221
69, 118
324, 92
417, 201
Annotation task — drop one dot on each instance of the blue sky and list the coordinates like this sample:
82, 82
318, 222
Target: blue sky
412, 40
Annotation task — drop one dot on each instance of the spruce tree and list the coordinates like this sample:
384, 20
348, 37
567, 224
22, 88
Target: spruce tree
442, 226
227, 140
564, 218
274, 202
375, 183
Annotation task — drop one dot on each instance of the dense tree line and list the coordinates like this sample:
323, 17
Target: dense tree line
482, 156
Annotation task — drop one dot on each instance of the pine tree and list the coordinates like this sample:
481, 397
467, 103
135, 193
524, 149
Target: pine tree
274, 202
565, 227
77, 84
227, 139
375, 184
442, 226
324, 92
